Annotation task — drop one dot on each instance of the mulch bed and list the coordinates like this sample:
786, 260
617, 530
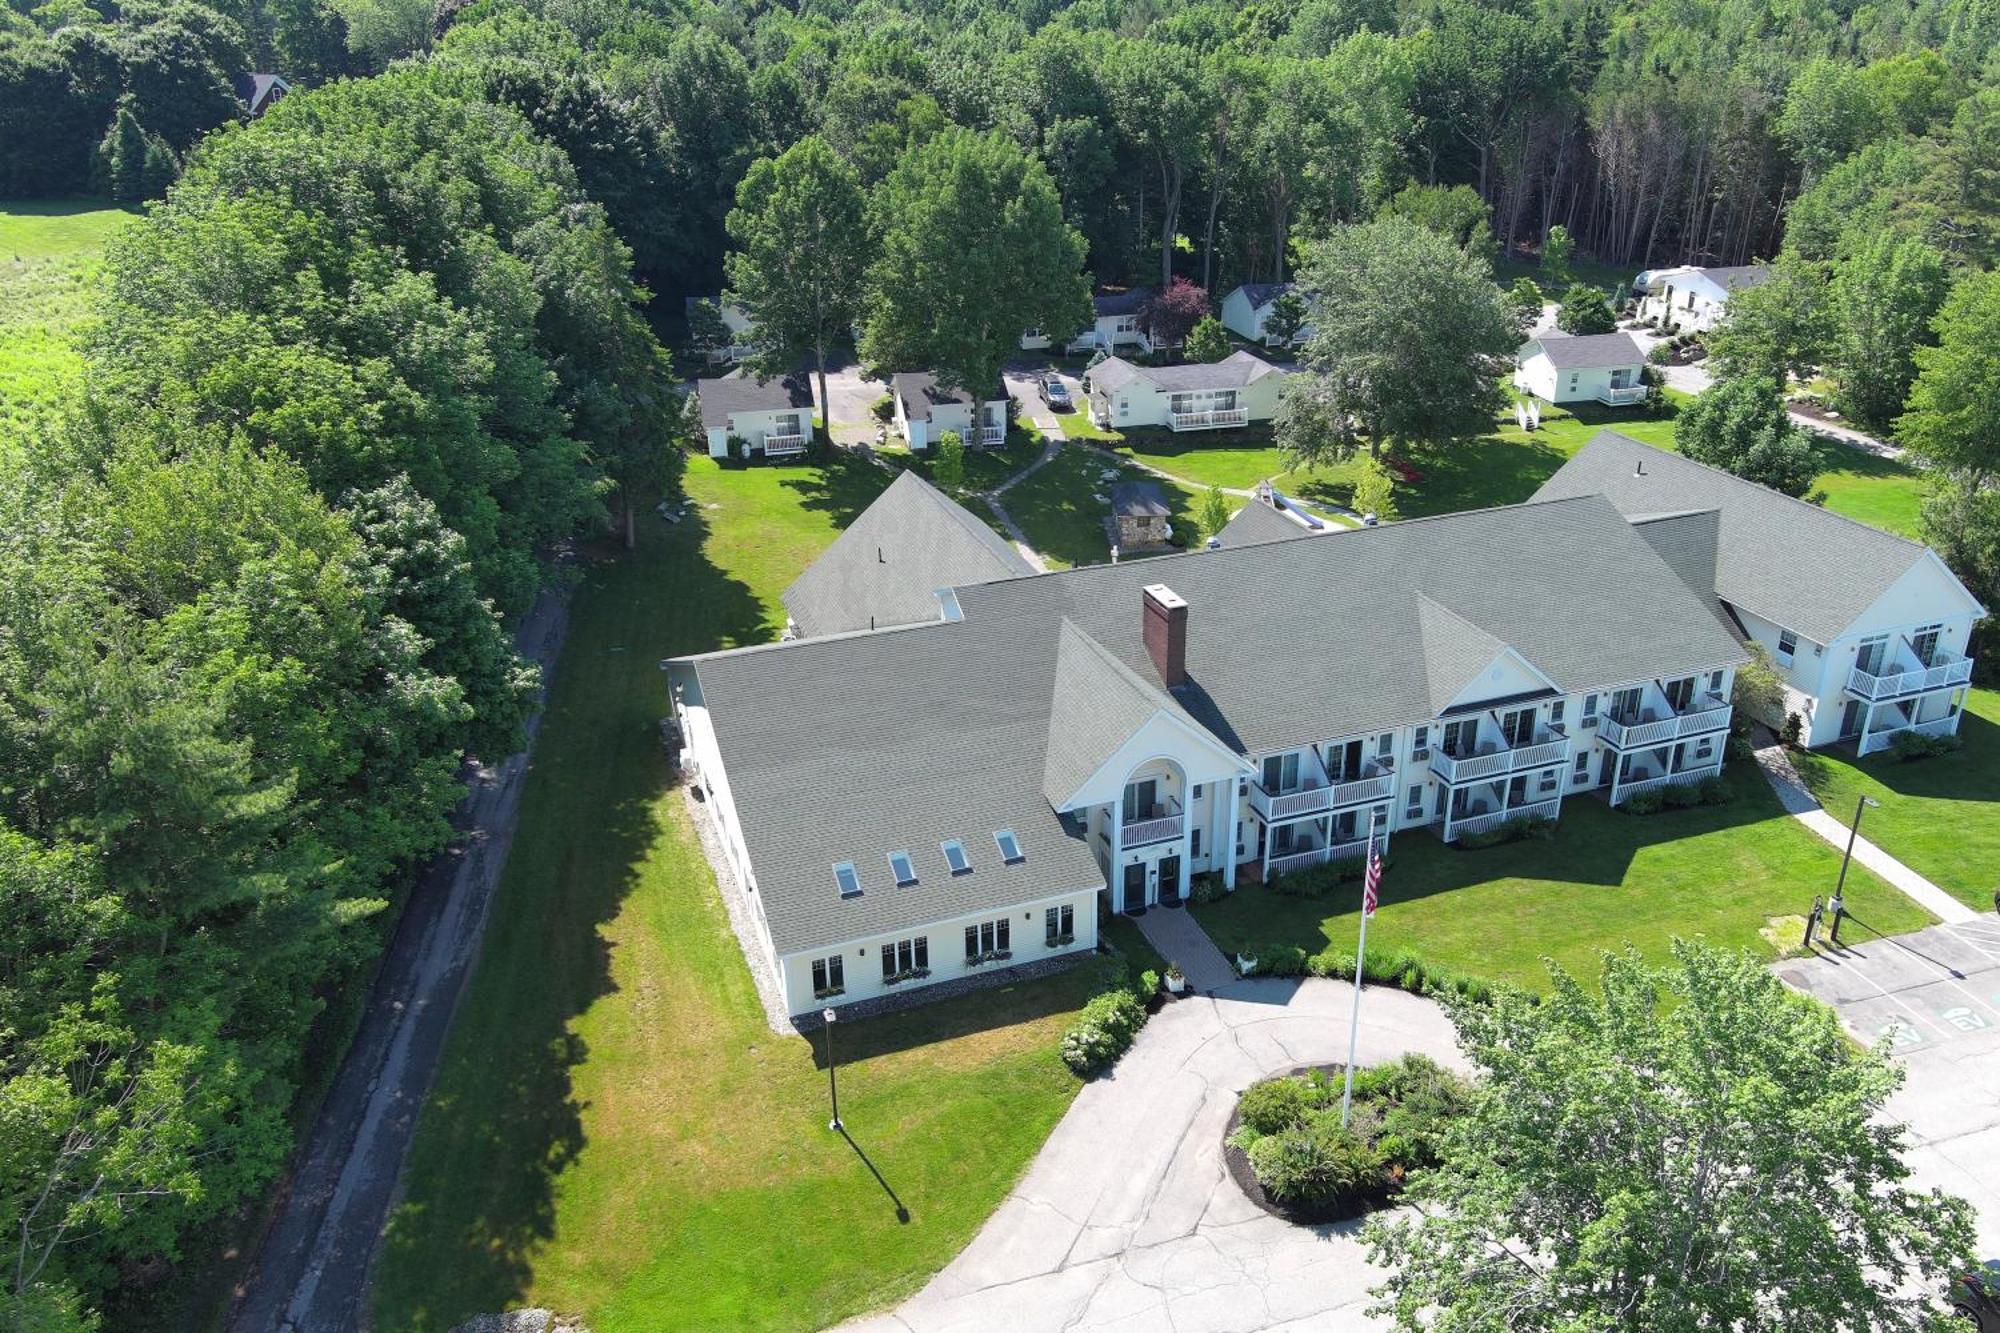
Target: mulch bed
1237, 1162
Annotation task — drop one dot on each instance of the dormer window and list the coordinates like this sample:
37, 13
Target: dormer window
905, 871
1010, 847
847, 878
955, 857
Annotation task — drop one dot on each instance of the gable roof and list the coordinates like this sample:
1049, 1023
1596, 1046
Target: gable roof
740, 391
1128, 302
1592, 351
1737, 277
1139, 499
887, 567
1097, 704
1235, 371
1789, 562
1261, 294
1455, 651
1259, 522
920, 391
253, 90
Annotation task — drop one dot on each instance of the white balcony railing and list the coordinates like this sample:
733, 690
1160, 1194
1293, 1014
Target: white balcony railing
1162, 822
1627, 790
1456, 828
1883, 739
1216, 420
1319, 799
778, 445
1625, 397
1317, 856
1708, 713
990, 435
1949, 671
1546, 748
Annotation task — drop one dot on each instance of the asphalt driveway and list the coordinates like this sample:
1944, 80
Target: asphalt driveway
1935, 996
1128, 1219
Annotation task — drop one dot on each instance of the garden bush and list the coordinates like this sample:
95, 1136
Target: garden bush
1105, 1026
1206, 888
1910, 746
1645, 803
1279, 1104
884, 408
1317, 1166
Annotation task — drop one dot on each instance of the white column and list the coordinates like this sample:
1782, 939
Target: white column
1114, 873
1230, 820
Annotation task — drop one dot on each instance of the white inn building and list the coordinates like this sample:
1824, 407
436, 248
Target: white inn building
958, 789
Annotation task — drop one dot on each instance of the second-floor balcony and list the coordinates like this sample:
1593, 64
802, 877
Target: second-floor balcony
1705, 713
1157, 823
1319, 796
1215, 419
1492, 760
1945, 671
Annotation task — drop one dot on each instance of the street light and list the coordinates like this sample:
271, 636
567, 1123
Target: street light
1839, 905
827, 1015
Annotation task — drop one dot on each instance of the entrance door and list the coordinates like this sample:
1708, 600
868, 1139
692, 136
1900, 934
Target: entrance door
1871, 656
1170, 879
1518, 726
1850, 719
1610, 768
1135, 887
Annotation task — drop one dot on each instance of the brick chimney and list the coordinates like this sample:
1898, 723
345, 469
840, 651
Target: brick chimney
1166, 617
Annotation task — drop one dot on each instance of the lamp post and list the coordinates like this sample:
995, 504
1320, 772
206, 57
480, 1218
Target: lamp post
1838, 905
827, 1015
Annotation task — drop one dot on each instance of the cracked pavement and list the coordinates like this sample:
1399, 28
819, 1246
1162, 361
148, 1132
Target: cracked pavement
1128, 1220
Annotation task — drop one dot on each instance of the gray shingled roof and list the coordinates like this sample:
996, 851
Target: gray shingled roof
740, 391
848, 748
1234, 371
1139, 499
1258, 522
1455, 650
886, 568
1129, 302
1261, 294
1787, 561
1096, 705
920, 391
1593, 351
1736, 278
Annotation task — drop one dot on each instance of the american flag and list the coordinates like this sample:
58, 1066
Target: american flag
1371, 883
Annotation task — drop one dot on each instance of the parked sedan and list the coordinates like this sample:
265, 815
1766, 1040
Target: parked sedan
1054, 392
1975, 1297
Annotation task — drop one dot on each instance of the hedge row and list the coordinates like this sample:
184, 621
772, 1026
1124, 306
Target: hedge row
1105, 1026
1400, 969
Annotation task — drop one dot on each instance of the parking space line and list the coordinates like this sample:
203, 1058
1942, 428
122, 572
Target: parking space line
1904, 1005
1945, 974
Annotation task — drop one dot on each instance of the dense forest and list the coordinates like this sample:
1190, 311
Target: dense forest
370, 357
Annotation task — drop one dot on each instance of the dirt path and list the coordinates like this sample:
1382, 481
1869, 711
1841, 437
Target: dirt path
311, 1267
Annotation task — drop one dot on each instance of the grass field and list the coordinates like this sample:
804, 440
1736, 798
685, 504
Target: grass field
1605, 880
615, 1131
1939, 816
48, 258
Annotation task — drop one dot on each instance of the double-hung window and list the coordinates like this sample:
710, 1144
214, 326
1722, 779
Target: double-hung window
829, 976
906, 957
1788, 646
988, 937
1589, 706
1058, 925
1556, 712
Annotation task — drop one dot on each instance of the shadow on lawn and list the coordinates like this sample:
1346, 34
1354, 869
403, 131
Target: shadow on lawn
1969, 773
503, 1121
941, 1021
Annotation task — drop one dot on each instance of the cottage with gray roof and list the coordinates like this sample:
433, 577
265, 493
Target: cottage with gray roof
1695, 299
1869, 629
925, 409
1246, 312
1117, 321
1237, 391
928, 803
1598, 367
772, 418
897, 563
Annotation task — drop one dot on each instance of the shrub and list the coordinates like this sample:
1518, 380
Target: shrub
884, 408
1681, 795
1314, 1166
1715, 791
1278, 1104
1645, 803
1794, 728
1910, 746
1661, 353
1206, 887
1281, 960
1147, 986
1106, 1025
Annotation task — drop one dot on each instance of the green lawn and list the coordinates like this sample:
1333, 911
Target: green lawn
1059, 509
48, 259
615, 1132
1939, 816
1606, 879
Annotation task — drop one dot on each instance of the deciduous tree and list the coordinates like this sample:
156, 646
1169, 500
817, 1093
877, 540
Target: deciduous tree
1953, 417
1584, 310
1207, 341
1740, 426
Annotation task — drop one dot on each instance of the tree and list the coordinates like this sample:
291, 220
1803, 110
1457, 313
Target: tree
1961, 523
1455, 212
1527, 301
1410, 339
1698, 1148
1779, 329
1374, 490
1173, 312
1286, 320
1162, 106
974, 249
708, 333
132, 164
1211, 515
1758, 692
1953, 417
1740, 426
1207, 341
1584, 310
1310, 425
1828, 113
949, 470
1883, 300
801, 234
1557, 249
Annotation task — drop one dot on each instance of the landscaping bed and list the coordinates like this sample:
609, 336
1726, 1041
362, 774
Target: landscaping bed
1286, 1149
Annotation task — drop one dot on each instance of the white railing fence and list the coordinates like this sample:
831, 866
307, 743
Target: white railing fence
1456, 828
1882, 740
1952, 671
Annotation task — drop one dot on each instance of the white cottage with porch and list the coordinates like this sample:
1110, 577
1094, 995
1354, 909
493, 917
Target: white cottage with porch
926, 409
1239, 390
1869, 629
1605, 368
773, 418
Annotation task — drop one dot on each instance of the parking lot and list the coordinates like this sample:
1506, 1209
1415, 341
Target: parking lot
1935, 996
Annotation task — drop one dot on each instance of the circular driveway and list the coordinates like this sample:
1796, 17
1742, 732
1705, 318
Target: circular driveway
1127, 1219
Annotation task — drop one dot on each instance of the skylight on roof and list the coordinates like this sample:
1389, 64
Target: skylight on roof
848, 878
906, 871
955, 857
1010, 847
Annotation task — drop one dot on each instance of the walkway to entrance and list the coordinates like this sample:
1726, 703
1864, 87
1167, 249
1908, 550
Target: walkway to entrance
1180, 939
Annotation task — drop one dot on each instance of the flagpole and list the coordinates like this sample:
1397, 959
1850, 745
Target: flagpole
1360, 957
